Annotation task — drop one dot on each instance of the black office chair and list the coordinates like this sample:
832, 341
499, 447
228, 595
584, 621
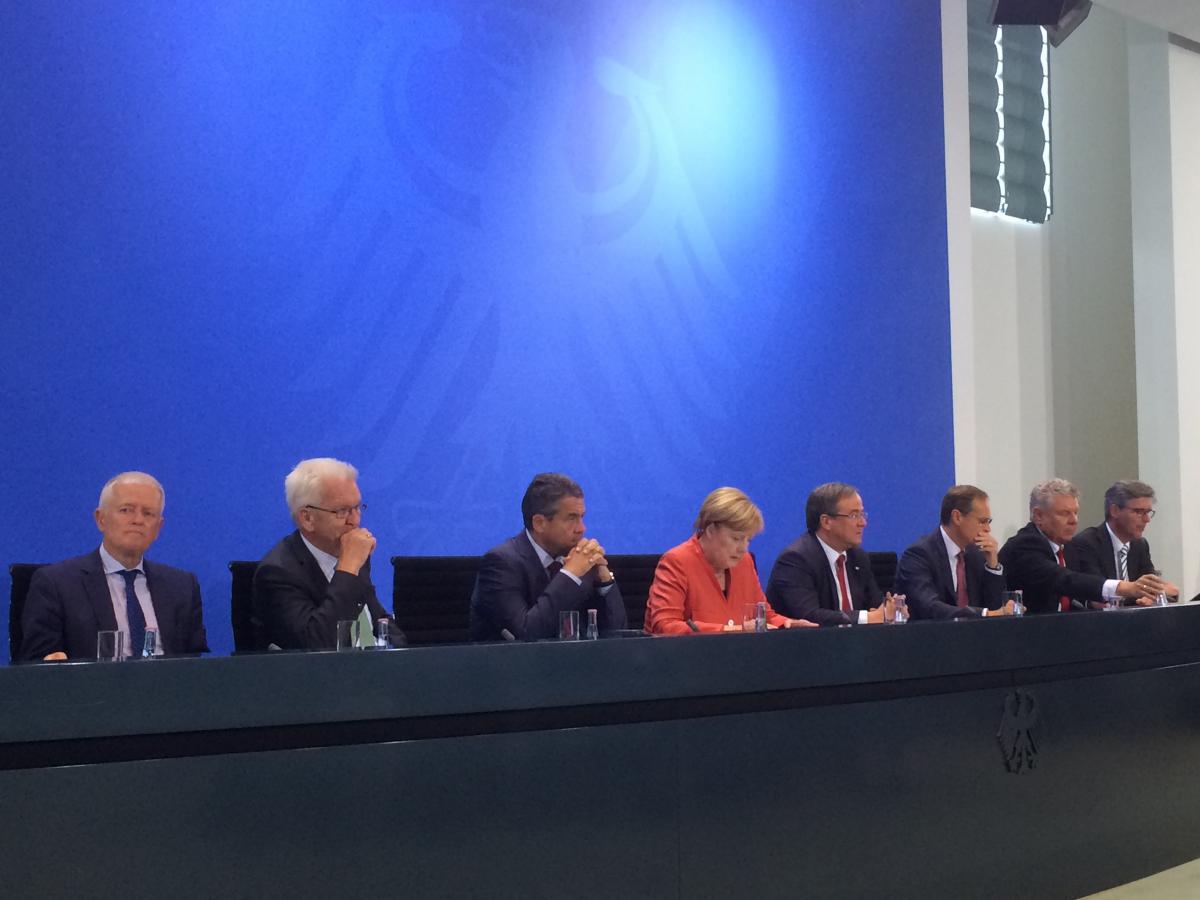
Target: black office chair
635, 572
22, 574
883, 567
431, 597
247, 631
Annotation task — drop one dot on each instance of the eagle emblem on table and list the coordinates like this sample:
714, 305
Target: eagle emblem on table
1016, 735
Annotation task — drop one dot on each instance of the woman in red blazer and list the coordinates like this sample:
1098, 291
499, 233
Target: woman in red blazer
704, 584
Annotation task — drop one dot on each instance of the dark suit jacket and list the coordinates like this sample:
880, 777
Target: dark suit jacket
1093, 551
923, 576
1030, 566
802, 585
69, 602
297, 609
512, 592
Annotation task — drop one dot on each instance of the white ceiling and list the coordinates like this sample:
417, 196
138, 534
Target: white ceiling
1180, 17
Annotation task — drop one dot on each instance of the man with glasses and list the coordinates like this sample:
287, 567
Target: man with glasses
115, 588
825, 576
1039, 561
546, 569
320, 574
955, 572
1116, 548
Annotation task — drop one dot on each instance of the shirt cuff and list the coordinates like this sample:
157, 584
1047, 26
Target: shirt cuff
999, 570
1109, 591
575, 578
862, 617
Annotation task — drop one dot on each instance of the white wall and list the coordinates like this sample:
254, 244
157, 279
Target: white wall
1091, 262
1073, 340
1164, 84
1184, 68
1027, 371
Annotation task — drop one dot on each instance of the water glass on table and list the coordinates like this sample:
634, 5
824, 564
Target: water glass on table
110, 646
347, 634
754, 616
1017, 601
568, 625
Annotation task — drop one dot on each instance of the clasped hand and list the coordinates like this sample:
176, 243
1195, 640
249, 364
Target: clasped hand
585, 556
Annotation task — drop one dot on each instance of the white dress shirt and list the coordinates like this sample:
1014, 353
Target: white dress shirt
1118, 545
952, 551
116, 592
1108, 592
832, 555
327, 562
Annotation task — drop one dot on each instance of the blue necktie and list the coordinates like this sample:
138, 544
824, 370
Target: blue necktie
133, 612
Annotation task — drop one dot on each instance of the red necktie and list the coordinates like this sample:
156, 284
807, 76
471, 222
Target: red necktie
1064, 602
847, 606
960, 574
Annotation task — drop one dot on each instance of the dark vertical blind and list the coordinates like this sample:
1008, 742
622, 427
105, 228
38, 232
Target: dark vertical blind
1009, 117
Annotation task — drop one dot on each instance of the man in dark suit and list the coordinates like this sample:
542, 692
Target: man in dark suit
1116, 547
524, 583
115, 588
1039, 562
825, 576
955, 572
320, 574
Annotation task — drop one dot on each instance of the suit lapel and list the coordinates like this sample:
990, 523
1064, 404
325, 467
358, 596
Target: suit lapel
95, 588
160, 605
856, 580
1108, 556
317, 580
535, 573
1139, 558
941, 559
827, 586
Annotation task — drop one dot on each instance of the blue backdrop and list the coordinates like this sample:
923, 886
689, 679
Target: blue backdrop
661, 245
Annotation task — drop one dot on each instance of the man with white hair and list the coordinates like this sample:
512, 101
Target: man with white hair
115, 588
320, 574
1039, 560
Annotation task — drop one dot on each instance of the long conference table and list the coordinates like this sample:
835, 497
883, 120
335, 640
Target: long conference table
1041, 757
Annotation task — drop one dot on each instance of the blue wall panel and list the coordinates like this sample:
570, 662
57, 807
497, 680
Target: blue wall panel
660, 245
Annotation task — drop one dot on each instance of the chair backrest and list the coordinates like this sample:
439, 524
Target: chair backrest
22, 574
247, 632
431, 595
635, 572
883, 567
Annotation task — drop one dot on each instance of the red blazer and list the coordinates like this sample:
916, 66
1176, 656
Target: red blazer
685, 587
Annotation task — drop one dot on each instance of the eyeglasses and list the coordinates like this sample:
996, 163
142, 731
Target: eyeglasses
858, 515
983, 521
342, 512
1144, 513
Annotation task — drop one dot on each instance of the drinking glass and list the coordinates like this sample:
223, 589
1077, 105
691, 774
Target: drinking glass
110, 646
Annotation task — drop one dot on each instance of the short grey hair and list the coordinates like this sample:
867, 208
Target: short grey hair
106, 492
303, 484
1044, 492
1125, 490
